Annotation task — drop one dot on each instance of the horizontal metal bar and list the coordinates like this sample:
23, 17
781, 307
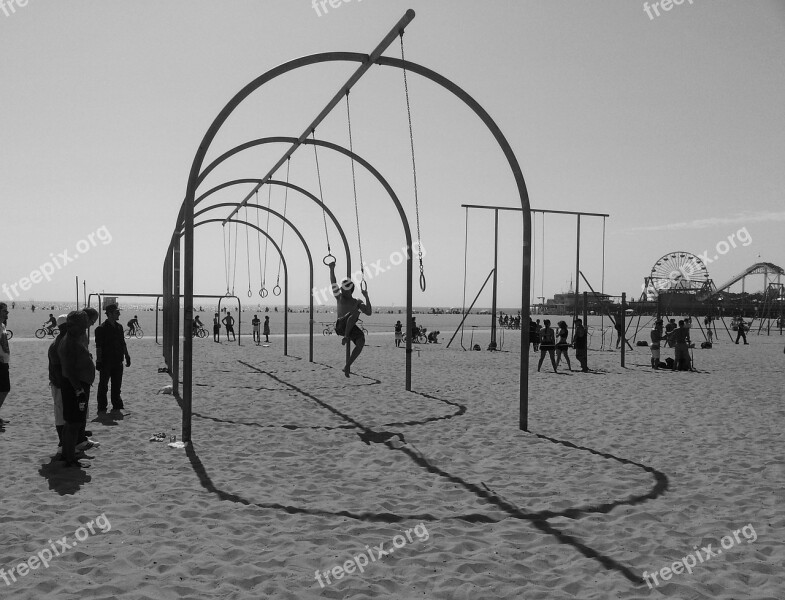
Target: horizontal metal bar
537, 210
361, 70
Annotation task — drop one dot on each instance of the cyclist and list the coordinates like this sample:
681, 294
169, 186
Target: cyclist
132, 325
50, 324
197, 324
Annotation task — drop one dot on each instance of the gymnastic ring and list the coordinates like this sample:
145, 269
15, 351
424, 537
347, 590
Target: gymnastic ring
422, 281
250, 293
263, 292
278, 293
227, 295
324, 260
363, 286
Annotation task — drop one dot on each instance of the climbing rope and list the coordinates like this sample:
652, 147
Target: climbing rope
321, 199
363, 284
283, 230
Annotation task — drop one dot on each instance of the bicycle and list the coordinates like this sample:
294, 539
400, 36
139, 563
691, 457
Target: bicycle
201, 332
42, 332
330, 329
420, 336
138, 333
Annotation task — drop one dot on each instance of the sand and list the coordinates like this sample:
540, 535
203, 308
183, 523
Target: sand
294, 469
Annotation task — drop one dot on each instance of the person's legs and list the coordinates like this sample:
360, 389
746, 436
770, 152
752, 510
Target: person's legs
117, 385
103, 387
542, 358
567, 358
347, 334
72, 422
57, 399
551, 352
359, 343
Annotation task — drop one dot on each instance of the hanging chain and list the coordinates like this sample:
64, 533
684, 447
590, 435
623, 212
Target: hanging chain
259, 241
354, 187
283, 223
321, 193
247, 250
226, 258
234, 270
414, 166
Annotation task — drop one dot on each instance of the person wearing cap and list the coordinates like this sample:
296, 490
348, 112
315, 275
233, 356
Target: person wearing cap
110, 351
56, 379
78, 374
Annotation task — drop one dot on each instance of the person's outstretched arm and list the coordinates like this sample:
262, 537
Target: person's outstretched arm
336, 289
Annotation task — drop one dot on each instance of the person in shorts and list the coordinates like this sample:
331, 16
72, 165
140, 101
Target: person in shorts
656, 337
256, 324
349, 309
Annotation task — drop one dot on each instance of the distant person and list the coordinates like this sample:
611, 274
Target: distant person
682, 345
266, 330
741, 331
562, 345
398, 334
656, 337
547, 345
534, 335
197, 325
228, 322
5, 357
133, 324
579, 343
217, 328
110, 350
50, 324
256, 324
670, 328
433, 337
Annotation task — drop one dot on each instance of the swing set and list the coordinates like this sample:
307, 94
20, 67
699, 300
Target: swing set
185, 221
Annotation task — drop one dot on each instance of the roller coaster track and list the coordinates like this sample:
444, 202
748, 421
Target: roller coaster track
756, 269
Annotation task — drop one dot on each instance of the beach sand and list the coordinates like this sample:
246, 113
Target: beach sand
294, 469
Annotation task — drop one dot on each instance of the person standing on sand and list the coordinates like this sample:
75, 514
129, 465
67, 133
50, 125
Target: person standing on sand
110, 350
682, 344
562, 345
656, 338
78, 375
216, 328
740, 332
5, 357
56, 378
398, 334
670, 328
349, 309
547, 344
579, 343
256, 323
266, 330
228, 322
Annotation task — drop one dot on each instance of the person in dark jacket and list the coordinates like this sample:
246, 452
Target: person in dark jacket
56, 378
110, 351
78, 373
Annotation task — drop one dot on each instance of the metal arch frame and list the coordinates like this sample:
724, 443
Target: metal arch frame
188, 204
310, 267
296, 188
375, 173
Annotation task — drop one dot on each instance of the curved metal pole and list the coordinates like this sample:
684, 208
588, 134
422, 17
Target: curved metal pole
218, 122
310, 266
387, 187
283, 261
296, 188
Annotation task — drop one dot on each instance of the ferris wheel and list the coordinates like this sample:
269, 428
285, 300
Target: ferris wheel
678, 271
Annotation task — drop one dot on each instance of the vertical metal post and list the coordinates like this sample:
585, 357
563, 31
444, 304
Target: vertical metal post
577, 268
586, 310
495, 277
175, 317
622, 325
77, 292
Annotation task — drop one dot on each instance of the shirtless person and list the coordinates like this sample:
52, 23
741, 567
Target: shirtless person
349, 309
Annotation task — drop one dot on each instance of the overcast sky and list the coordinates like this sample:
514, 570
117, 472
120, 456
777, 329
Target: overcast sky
671, 124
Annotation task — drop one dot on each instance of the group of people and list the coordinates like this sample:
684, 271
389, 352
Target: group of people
513, 322
555, 344
676, 337
431, 337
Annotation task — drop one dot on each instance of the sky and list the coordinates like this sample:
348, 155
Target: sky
668, 121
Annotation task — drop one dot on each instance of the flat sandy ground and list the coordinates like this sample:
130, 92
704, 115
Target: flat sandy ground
294, 469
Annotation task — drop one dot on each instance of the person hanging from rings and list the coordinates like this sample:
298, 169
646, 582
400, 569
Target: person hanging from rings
349, 309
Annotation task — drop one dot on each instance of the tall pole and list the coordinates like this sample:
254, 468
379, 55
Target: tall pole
495, 278
77, 292
622, 326
577, 268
